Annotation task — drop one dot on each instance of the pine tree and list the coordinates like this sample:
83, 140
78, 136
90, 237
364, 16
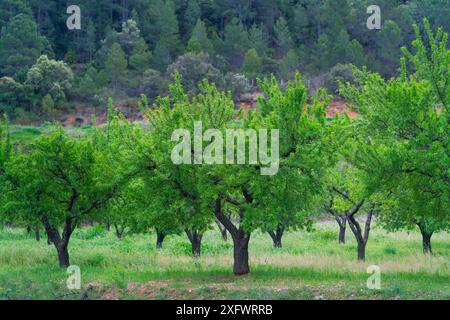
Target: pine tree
289, 64
90, 40
283, 37
20, 45
140, 56
258, 39
116, 66
389, 41
252, 64
235, 43
11, 8
191, 17
168, 45
199, 41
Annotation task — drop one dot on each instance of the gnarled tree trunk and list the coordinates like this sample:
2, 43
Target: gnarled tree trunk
240, 241
426, 238
63, 254
49, 241
61, 242
195, 237
159, 238
240, 253
276, 236
361, 238
342, 222
119, 231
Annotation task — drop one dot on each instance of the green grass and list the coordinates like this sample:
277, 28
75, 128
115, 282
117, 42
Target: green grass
26, 134
309, 266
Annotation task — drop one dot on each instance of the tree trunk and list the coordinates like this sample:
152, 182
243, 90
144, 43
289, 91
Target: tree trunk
342, 234
37, 234
426, 239
195, 238
49, 241
61, 243
240, 253
197, 246
63, 254
159, 239
223, 231
276, 236
361, 251
119, 231
361, 238
240, 241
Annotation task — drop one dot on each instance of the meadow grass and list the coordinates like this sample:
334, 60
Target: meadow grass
24, 135
309, 266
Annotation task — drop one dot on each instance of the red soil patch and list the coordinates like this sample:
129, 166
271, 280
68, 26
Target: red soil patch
339, 107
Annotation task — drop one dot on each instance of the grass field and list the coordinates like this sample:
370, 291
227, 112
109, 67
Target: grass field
26, 134
309, 266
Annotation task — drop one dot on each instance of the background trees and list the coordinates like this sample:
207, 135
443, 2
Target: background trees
20, 45
305, 35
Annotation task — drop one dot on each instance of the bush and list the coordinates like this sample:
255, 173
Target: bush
339, 73
238, 84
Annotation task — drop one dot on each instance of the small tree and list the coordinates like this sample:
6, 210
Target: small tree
193, 68
347, 199
141, 56
62, 180
181, 194
125, 212
51, 80
199, 41
116, 66
252, 64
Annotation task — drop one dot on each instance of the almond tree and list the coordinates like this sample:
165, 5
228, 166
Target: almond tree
348, 198
63, 180
179, 201
405, 151
245, 200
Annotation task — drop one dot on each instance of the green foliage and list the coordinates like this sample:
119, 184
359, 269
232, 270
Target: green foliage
116, 66
340, 73
406, 127
168, 44
199, 41
235, 43
140, 56
252, 64
50, 80
193, 68
20, 45
389, 41
312, 36
283, 38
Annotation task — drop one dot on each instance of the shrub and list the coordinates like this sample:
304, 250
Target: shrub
339, 73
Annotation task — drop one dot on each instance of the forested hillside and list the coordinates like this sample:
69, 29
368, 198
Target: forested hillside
125, 48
